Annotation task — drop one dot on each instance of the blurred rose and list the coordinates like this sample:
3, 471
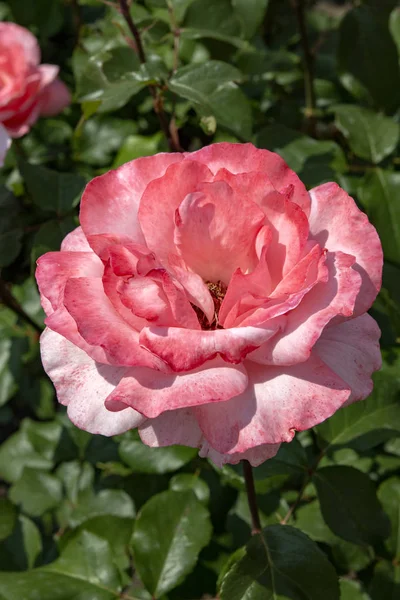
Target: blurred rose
28, 90
209, 300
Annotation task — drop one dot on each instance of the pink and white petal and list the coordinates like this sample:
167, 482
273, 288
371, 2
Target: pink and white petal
256, 456
10, 34
75, 241
55, 268
216, 230
54, 98
82, 385
245, 158
101, 325
196, 289
187, 349
153, 393
290, 230
61, 322
286, 297
351, 349
252, 186
48, 74
160, 201
277, 403
172, 427
111, 283
110, 202
306, 323
5, 143
337, 224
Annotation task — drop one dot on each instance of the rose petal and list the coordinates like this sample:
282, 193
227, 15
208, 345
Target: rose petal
245, 158
256, 456
75, 241
110, 202
351, 349
214, 382
100, 325
337, 224
54, 98
305, 324
83, 385
276, 403
160, 201
185, 349
215, 231
11, 34
172, 427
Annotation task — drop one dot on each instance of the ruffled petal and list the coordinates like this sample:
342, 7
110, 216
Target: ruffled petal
11, 34
256, 456
54, 98
277, 403
110, 202
152, 395
100, 324
245, 158
75, 241
351, 349
186, 349
172, 427
82, 385
160, 201
216, 230
337, 224
305, 324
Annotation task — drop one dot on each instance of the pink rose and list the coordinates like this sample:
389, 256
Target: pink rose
28, 90
209, 300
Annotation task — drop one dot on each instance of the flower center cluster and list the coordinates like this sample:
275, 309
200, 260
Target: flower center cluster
217, 291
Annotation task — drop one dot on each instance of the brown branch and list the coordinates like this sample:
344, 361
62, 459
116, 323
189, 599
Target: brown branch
8, 300
251, 497
308, 67
172, 139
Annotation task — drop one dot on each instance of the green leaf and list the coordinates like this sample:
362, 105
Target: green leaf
385, 584
50, 190
10, 231
280, 563
381, 410
46, 15
185, 481
143, 459
8, 517
32, 446
170, 530
394, 25
21, 549
107, 502
368, 53
49, 237
36, 492
378, 196
136, 146
101, 138
250, 14
370, 135
111, 77
389, 495
8, 384
85, 570
212, 89
352, 590
216, 16
350, 506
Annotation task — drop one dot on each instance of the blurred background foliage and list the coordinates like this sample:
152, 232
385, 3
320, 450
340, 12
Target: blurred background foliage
92, 518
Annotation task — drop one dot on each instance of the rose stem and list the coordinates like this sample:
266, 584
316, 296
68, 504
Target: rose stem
157, 101
251, 497
8, 300
308, 66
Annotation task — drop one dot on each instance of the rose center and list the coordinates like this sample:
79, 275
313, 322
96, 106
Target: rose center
217, 291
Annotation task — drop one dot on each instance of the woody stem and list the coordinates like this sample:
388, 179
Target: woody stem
251, 497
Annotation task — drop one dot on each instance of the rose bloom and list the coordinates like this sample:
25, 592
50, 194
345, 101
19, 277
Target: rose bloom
209, 300
28, 89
